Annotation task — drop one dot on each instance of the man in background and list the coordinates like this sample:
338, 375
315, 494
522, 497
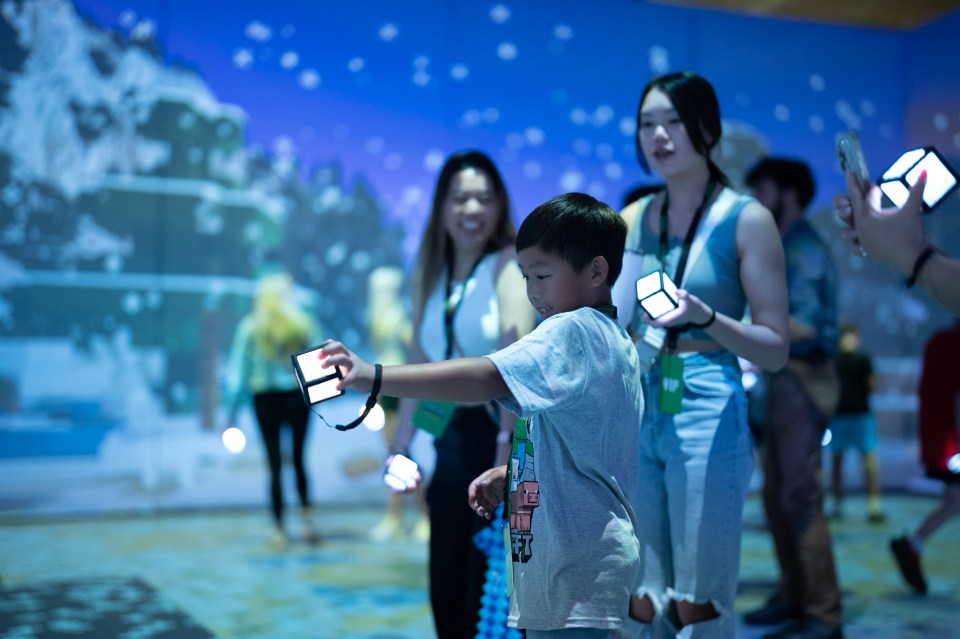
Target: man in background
800, 400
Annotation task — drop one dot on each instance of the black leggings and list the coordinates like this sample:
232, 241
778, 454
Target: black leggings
273, 410
457, 567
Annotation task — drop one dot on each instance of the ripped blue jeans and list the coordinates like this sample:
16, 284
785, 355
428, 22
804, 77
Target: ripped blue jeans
695, 469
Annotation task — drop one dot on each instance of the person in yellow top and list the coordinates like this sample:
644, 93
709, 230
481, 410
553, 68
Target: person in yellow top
259, 367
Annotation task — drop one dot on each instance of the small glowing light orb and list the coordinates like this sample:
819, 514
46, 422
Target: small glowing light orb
376, 419
827, 438
750, 380
953, 464
234, 440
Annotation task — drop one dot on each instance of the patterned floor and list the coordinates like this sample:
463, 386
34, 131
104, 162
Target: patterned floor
201, 574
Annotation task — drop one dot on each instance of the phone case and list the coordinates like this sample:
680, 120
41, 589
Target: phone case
850, 154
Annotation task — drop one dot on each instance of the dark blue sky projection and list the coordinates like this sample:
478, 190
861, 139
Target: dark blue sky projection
549, 88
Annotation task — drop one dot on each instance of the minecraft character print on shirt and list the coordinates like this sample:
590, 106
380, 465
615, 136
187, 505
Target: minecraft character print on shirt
524, 493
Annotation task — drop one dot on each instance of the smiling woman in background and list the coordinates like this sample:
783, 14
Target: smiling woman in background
469, 300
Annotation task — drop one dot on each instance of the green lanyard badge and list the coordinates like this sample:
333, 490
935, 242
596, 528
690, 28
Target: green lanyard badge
433, 416
671, 383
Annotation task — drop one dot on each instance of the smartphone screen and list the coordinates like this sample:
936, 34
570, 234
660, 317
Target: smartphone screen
850, 154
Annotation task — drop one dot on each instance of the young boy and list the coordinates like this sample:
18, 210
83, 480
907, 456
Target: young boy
576, 380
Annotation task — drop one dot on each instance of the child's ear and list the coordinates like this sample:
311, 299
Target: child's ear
598, 270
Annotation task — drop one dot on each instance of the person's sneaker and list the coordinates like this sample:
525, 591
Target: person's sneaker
309, 532
806, 628
390, 527
421, 530
908, 560
776, 611
278, 539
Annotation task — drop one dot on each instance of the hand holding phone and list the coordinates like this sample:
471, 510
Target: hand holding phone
889, 235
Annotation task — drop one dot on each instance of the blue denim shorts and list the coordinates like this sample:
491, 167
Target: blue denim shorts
857, 431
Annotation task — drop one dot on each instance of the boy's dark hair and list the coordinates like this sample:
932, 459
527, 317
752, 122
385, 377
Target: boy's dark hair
787, 174
576, 227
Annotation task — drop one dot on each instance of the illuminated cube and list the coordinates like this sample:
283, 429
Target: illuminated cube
657, 294
318, 384
904, 173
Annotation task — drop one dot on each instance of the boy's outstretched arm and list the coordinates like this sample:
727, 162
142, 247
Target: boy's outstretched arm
468, 379
486, 491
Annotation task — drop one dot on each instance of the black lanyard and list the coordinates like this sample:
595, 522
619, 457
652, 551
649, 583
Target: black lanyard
673, 333
449, 308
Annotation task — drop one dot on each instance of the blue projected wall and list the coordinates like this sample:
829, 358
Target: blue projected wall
549, 86
156, 156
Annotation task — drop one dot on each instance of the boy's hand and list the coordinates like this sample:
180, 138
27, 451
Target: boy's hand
486, 491
358, 373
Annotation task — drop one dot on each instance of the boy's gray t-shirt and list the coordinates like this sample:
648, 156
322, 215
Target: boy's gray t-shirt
575, 554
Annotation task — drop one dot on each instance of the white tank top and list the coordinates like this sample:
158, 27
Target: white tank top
476, 324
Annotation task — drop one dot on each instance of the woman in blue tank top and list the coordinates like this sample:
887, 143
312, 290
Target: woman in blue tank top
724, 253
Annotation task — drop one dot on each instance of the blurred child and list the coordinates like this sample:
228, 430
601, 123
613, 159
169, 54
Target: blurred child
853, 424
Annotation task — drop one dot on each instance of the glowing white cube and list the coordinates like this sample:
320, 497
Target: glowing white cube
657, 294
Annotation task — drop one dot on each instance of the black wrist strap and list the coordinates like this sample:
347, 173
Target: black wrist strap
918, 265
709, 322
371, 401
